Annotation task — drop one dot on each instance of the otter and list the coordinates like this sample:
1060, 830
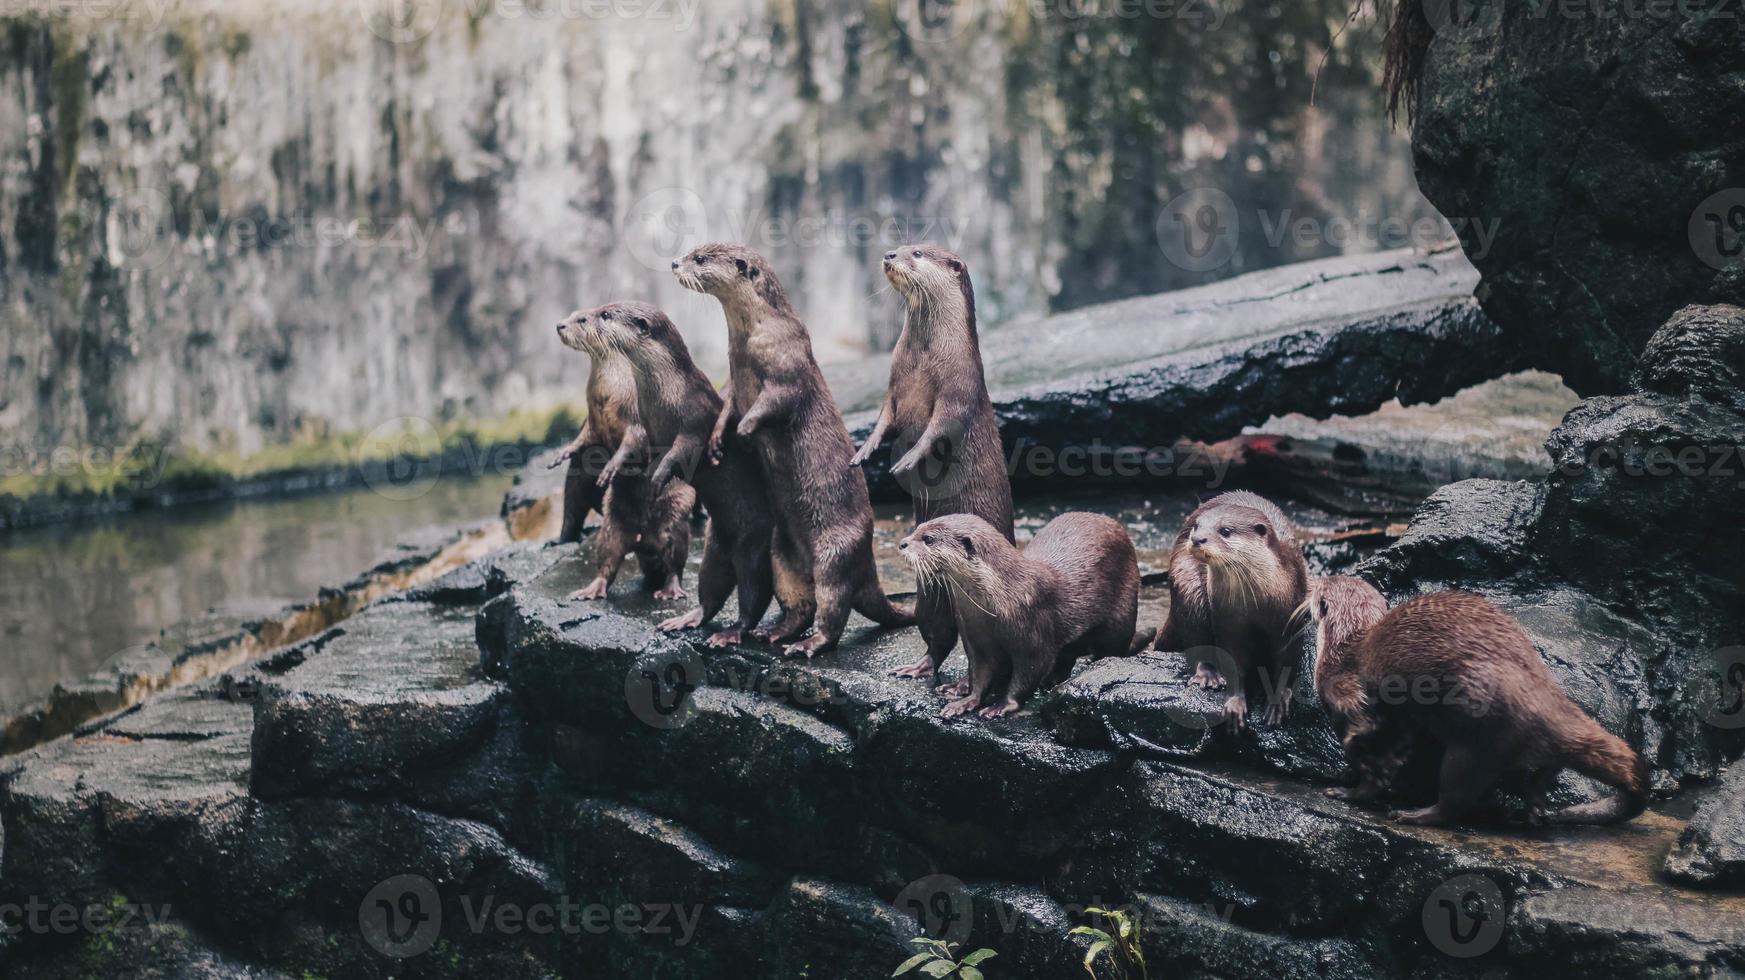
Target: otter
1454, 668
1236, 580
776, 393
1027, 616
678, 408
656, 524
938, 407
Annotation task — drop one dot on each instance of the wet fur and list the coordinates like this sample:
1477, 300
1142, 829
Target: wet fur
1242, 604
778, 402
636, 518
938, 409
678, 408
1027, 616
1503, 712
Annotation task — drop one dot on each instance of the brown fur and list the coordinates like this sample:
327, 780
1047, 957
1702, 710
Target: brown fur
1236, 579
777, 400
678, 408
1027, 616
938, 408
656, 525
1483, 694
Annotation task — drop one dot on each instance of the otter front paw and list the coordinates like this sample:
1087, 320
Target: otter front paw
593, 590
747, 427
961, 707
956, 689
1236, 713
861, 455
1009, 707
811, 646
907, 463
689, 621
1206, 676
730, 637
920, 668
671, 592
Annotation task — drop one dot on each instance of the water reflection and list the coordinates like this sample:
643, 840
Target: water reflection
73, 596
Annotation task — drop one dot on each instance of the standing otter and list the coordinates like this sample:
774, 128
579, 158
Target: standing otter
678, 409
1236, 580
1455, 668
824, 516
1026, 616
634, 515
938, 406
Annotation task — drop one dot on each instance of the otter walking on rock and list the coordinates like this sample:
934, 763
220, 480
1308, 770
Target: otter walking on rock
1236, 580
1455, 668
678, 409
1026, 616
777, 399
634, 514
937, 407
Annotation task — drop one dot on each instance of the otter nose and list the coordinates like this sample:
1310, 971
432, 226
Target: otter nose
903, 545
890, 256
560, 328
1198, 541
675, 265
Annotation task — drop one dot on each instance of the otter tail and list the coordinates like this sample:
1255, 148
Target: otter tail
1598, 754
1141, 640
872, 603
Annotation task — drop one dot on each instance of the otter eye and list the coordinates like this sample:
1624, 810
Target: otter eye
1226, 532
926, 539
697, 259
917, 254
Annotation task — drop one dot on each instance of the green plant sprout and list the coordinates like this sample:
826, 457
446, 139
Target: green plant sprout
1118, 941
938, 959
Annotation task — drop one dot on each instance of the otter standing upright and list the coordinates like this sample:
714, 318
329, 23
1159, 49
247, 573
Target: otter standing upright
678, 409
655, 523
1453, 666
938, 408
1236, 580
776, 393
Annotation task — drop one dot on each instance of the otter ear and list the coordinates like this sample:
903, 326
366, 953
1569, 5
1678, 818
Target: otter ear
640, 322
954, 265
746, 269
969, 546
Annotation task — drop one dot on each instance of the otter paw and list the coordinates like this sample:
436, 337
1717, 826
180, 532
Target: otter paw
960, 707
920, 668
671, 593
727, 638
689, 621
1430, 816
999, 710
1236, 714
811, 646
593, 590
956, 689
1206, 676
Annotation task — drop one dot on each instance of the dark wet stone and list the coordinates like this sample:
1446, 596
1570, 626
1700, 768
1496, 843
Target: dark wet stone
395, 699
1341, 335
1592, 145
1468, 530
1185, 939
1597, 933
1699, 352
1711, 850
139, 951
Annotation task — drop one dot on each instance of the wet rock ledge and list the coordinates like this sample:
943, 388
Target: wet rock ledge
478, 755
